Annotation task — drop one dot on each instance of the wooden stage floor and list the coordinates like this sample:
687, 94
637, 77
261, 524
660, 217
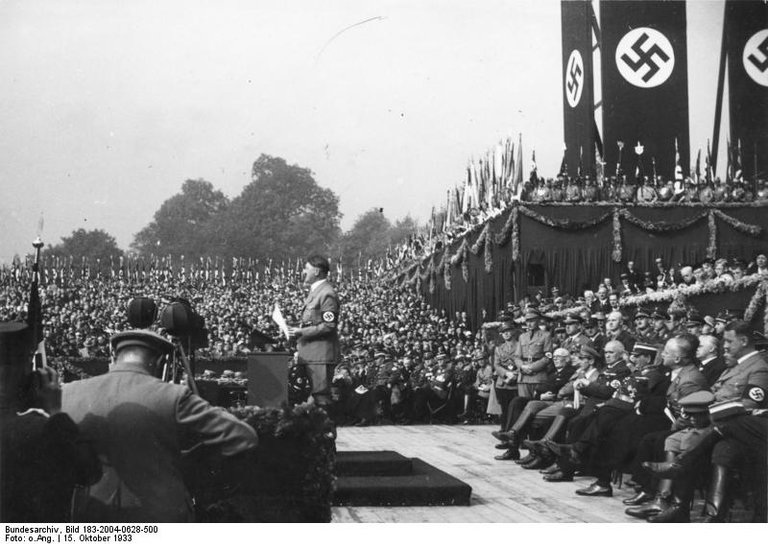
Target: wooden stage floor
501, 490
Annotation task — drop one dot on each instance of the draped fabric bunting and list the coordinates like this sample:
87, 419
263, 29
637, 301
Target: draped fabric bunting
576, 250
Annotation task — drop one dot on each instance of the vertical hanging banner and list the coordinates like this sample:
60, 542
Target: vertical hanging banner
747, 49
645, 82
578, 100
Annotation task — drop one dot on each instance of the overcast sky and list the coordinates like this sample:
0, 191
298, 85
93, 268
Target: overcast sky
107, 107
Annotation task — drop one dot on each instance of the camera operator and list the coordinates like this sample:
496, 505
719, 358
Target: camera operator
43, 454
140, 426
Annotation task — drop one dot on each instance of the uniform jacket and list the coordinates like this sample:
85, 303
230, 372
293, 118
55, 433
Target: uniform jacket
688, 380
531, 350
503, 361
319, 339
43, 458
556, 380
602, 387
566, 391
713, 369
748, 379
574, 343
139, 426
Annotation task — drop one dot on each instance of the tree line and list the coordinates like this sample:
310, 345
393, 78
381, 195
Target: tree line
281, 214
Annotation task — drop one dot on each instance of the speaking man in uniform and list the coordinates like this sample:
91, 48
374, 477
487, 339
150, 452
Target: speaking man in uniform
318, 337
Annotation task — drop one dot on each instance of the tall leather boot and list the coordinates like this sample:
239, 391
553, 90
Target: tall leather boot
716, 505
660, 502
679, 511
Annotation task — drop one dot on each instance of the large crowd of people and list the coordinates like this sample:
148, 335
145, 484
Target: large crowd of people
581, 382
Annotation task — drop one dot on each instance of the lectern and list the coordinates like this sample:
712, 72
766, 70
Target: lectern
268, 378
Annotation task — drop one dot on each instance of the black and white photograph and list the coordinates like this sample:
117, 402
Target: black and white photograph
407, 263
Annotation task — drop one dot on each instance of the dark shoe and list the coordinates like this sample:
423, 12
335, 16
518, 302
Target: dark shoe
676, 513
363, 423
596, 490
509, 455
667, 469
527, 459
499, 435
502, 446
539, 462
551, 469
641, 497
646, 510
557, 449
530, 444
559, 476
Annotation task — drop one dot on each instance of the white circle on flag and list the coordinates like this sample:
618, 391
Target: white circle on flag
574, 78
645, 57
755, 57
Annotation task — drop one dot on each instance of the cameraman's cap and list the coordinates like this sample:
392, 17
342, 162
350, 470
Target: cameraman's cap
15, 342
697, 402
148, 339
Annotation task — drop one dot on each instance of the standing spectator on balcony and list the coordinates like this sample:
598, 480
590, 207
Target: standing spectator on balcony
721, 271
646, 192
686, 277
761, 265
635, 277
318, 339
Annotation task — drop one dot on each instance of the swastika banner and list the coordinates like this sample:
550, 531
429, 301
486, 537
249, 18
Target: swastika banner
747, 48
578, 101
644, 71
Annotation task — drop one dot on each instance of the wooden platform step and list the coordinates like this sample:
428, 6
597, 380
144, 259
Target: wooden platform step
372, 463
424, 486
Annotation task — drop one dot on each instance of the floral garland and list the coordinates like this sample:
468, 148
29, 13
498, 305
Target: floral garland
765, 313
488, 257
445, 268
754, 302
481, 241
515, 235
506, 231
617, 247
712, 240
660, 226
752, 230
563, 224
511, 230
708, 287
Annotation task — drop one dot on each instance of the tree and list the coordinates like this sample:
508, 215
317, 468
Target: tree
368, 238
403, 229
283, 213
182, 225
91, 244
